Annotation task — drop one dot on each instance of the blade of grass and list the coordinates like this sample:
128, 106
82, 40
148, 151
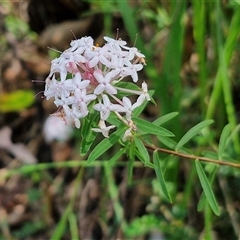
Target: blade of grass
170, 88
73, 226
222, 82
130, 22
199, 26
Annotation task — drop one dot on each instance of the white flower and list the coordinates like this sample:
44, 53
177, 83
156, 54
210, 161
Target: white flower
145, 91
58, 89
97, 55
132, 70
70, 115
103, 128
81, 44
134, 53
129, 107
116, 44
104, 82
78, 83
106, 107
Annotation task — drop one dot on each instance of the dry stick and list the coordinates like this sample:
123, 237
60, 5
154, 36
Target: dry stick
193, 157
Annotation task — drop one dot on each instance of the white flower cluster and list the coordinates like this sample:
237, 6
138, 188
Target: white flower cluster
85, 73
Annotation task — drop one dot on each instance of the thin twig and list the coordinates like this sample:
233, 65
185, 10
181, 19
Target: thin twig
193, 157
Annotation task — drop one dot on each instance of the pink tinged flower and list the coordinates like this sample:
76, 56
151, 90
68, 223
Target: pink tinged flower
72, 67
103, 128
89, 75
104, 82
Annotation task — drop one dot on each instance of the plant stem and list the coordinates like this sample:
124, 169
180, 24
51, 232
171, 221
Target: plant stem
193, 157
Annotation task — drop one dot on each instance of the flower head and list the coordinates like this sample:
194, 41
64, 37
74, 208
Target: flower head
86, 76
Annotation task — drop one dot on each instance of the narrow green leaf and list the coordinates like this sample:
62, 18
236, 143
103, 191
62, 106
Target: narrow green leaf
150, 128
202, 200
192, 132
207, 188
165, 118
116, 156
87, 142
88, 123
105, 144
113, 120
160, 176
140, 157
223, 140
142, 150
126, 85
168, 142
